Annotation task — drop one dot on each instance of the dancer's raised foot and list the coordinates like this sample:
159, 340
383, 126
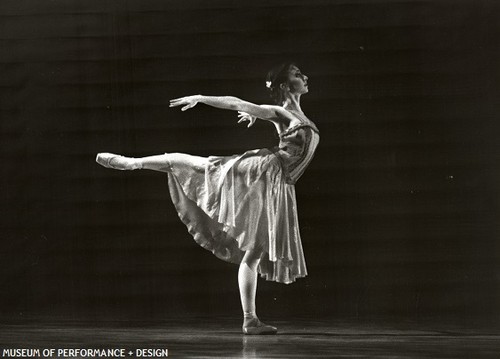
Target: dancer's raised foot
255, 327
117, 162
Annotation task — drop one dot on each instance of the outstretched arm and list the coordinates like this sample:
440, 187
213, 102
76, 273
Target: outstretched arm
265, 112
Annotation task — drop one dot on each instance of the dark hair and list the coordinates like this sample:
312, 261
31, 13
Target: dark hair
275, 77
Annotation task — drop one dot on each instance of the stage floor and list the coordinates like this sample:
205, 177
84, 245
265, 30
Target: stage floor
300, 338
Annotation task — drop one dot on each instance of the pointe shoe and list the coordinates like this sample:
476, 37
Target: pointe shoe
105, 159
256, 327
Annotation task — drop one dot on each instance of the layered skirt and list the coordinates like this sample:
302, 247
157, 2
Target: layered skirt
231, 204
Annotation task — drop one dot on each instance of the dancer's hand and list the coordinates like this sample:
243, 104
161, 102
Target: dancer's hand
189, 101
246, 117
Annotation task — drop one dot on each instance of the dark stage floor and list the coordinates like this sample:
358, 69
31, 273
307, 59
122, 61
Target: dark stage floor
304, 338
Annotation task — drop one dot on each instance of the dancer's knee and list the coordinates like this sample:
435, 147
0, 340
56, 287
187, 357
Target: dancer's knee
252, 258
170, 162
183, 161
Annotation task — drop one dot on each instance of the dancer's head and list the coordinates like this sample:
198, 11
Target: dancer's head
285, 80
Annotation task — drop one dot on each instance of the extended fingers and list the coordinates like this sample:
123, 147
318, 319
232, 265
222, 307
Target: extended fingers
188, 101
181, 101
177, 102
246, 117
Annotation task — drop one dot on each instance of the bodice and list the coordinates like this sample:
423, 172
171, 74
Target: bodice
297, 146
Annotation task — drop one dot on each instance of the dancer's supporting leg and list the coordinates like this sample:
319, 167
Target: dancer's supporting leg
247, 280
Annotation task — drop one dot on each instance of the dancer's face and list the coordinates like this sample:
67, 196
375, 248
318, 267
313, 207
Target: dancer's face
297, 81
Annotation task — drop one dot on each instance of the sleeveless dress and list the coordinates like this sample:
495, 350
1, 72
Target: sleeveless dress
247, 201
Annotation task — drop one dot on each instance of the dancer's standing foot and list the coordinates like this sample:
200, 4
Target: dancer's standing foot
253, 326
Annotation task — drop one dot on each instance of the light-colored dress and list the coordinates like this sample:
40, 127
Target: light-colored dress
247, 201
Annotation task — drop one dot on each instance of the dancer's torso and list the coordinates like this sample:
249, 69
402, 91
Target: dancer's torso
297, 146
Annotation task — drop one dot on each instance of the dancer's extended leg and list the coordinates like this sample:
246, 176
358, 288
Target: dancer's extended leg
247, 280
117, 162
161, 163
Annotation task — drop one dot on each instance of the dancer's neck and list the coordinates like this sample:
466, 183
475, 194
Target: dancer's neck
292, 104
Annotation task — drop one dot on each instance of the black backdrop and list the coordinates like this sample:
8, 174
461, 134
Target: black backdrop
399, 210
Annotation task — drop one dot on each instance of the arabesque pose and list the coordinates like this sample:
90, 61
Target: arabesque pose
242, 208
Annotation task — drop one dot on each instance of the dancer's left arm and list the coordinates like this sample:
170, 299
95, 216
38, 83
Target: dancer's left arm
265, 112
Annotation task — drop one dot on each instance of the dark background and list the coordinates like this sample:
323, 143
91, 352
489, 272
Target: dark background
399, 210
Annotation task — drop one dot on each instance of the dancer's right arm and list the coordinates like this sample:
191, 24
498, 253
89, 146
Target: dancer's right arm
265, 112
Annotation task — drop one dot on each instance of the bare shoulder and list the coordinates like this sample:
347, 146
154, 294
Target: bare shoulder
280, 114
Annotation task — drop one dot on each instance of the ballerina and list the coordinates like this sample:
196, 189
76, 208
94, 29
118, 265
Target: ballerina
242, 208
